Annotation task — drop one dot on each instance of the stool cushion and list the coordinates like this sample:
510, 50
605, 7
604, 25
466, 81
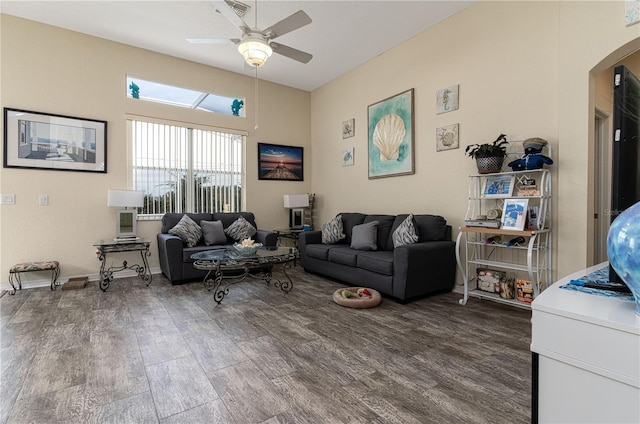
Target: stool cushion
357, 302
35, 266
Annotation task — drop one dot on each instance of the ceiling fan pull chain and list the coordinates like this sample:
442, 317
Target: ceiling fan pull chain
256, 95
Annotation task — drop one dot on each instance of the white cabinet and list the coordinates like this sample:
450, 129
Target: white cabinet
493, 249
586, 357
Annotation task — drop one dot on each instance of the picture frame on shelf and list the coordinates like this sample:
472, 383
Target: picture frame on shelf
514, 214
499, 186
40, 140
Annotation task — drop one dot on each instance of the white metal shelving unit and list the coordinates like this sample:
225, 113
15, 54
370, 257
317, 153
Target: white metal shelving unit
531, 259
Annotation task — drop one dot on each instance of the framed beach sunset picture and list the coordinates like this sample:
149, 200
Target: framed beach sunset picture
281, 163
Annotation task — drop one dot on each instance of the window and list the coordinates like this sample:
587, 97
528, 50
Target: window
184, 169
138, 88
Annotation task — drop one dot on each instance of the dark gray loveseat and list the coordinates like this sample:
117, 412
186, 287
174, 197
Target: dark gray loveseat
175, 257
402, 273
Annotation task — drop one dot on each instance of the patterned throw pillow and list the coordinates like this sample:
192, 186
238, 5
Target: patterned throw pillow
240, 229
187, 230
332, 231
405, 233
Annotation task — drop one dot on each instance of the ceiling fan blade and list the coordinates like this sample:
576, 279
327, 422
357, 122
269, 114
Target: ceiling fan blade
213, 40
288, 24
225, 10
291, 53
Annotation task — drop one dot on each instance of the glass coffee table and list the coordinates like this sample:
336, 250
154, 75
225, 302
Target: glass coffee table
233, 267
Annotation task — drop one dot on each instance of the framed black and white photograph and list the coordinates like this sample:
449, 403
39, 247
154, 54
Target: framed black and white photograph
277, 162
514, 214
348, 128
498, 186
54, 142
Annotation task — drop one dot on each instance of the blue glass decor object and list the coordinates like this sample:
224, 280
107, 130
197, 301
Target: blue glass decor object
623, 248
236, 106
135, 90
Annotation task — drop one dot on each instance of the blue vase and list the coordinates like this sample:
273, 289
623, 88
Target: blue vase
623, 249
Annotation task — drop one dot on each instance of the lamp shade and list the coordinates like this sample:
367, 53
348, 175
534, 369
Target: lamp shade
125, 198
255, 50
296, 200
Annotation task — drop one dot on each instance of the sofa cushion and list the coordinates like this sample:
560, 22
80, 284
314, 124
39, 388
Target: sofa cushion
170, 220
365, 236
405, 233
385, 222
430, 227
332, 231
350, 220
344, 255
187, 230
188, 251
240, 229
318, 251
380, 262
213, 233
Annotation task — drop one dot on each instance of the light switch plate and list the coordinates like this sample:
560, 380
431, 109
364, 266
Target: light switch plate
43, 200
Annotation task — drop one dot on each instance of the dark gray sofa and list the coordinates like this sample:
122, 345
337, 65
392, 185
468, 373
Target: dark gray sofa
175, 257
402, 273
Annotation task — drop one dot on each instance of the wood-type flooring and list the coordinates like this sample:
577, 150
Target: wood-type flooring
170, 354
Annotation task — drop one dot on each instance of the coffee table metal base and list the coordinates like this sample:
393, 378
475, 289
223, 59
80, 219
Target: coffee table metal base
215, 278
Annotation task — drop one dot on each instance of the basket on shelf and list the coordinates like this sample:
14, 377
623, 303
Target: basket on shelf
490, 164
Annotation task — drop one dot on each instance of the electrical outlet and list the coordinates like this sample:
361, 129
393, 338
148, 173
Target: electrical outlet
8, 199
43, 200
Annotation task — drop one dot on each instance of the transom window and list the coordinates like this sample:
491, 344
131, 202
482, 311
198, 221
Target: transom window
139, 88
185, 169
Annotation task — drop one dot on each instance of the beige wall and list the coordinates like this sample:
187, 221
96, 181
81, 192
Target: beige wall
67, 73
523, 70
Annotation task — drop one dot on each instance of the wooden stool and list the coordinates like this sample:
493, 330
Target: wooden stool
14, 272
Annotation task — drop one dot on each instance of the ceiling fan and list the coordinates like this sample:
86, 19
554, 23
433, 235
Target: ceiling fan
256, 44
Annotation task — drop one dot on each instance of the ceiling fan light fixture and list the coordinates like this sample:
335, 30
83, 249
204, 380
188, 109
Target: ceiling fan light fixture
255, 51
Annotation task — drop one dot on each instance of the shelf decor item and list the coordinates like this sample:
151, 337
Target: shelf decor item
489, 156
498, 186
623, 249
489, 280
514, 214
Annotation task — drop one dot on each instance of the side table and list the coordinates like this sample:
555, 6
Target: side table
286, 233
111, 246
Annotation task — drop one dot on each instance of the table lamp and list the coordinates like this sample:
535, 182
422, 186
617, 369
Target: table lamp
296, 204
125, 218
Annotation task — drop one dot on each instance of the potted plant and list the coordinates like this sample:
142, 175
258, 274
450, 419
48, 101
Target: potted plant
489, 156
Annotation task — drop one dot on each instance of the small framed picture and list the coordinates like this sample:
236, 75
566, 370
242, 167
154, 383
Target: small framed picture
514, 214
347, 157
447, 99
498, 186
348, 128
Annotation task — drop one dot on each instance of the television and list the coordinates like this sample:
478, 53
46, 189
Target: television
126, 224
625, 172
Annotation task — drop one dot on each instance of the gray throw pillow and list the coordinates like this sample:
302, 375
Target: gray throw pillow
332, 231
240, 229
405, 233
213, 233
365, 236
187, 230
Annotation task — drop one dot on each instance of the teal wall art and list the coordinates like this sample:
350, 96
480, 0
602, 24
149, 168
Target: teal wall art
391, 140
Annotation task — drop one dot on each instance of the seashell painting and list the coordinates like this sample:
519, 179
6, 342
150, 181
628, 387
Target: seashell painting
388, 135
447, 137
391, 140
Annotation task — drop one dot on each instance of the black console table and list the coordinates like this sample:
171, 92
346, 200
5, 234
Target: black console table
111, 246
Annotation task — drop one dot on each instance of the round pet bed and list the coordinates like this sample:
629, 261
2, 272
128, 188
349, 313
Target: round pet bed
357, 302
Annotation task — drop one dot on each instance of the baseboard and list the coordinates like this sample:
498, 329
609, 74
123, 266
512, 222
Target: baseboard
46, 282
